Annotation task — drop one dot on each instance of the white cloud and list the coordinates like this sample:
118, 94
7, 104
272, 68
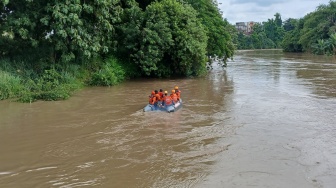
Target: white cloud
262, 10
263, 3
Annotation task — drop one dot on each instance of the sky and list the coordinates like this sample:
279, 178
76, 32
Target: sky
262, 10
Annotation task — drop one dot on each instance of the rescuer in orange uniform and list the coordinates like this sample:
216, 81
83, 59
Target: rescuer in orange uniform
167, 100
174, 96
177, 92
161, 93
158, 98
152, 98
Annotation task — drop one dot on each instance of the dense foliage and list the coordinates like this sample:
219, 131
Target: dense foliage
48, 49
219, 31
63, 30
291, 39
167, 39
265, 35
108, 41
318, 32
315, 33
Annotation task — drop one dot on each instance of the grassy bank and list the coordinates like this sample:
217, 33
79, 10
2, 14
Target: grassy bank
26, 82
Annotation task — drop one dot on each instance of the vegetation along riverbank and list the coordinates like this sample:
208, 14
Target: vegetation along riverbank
48, 50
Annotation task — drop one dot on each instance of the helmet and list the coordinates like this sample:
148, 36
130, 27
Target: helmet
173, 91
153, 92
176, 87
166, 92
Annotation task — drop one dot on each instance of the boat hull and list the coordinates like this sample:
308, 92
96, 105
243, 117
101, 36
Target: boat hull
170, 108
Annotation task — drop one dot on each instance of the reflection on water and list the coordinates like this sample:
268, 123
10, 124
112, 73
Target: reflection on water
100, 137
321, 74
317, 72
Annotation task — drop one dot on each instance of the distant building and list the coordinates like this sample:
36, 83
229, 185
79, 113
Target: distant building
245, 27
241, 26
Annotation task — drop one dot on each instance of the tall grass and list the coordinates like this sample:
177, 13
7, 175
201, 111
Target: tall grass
10, 85
111, 73
17, 81
28, 82
50, 86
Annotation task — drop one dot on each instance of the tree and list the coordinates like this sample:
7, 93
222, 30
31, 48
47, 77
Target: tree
290, 42
289, 24
318, 25
278, 20
267, 34
144, 3
220, 43
167, 38
321, 47
332, 42
20, 21
71, 28
274, 30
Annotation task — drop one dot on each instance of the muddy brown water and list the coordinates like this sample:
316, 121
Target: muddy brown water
267, 120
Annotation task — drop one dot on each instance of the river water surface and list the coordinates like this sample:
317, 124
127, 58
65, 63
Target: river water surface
267, 120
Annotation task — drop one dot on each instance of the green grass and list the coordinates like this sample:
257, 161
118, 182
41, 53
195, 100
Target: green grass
111, 73
10, 85
28, 82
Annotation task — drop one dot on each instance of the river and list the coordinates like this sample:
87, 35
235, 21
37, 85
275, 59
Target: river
266, 120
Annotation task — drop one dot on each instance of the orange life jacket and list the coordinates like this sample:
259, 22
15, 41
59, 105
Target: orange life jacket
174, 97
152, 99
178, 94
168, 100
161, 94
158, 97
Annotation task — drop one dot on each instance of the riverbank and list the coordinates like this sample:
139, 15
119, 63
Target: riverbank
26, 82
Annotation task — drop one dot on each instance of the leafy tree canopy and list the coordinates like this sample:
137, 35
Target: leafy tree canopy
265, 35
71, 28
167, 39
319, 24
220, 42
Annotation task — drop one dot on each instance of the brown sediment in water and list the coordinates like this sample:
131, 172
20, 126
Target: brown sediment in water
267, 120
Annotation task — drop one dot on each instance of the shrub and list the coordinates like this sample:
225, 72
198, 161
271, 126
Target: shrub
50, 82
50, 86
10, 85
111, 73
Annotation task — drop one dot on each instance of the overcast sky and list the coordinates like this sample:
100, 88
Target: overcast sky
262, 10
